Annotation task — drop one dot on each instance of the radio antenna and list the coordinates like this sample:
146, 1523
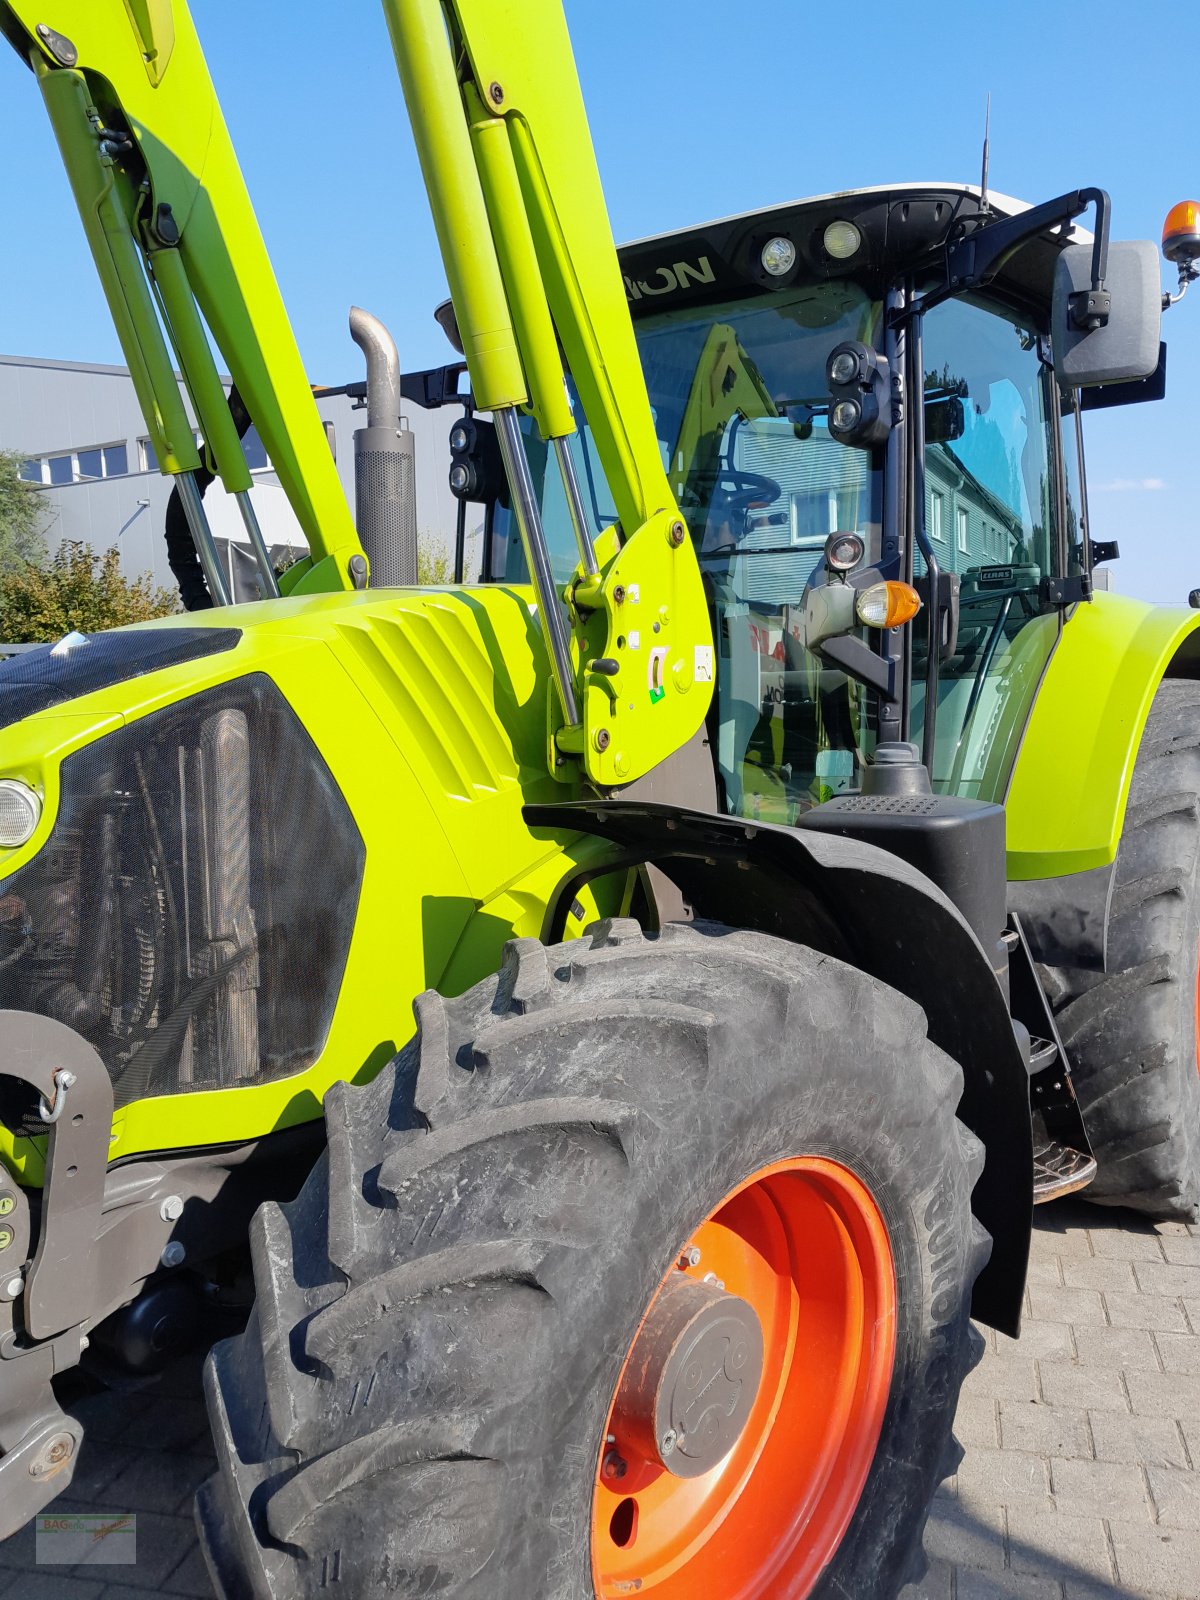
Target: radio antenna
983, 181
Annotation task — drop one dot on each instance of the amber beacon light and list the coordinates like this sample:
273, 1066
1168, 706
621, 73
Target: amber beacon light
1181, 232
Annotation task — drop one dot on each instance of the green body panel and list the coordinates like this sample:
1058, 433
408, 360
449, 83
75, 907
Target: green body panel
1070, 781
429, 709
140, 65
502, 136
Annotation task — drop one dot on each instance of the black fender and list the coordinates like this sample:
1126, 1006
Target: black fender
867, 907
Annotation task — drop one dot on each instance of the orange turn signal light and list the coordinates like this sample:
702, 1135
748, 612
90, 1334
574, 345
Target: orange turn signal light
887, 605
1181, 232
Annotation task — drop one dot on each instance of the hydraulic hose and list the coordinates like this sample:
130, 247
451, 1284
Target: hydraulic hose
182, 557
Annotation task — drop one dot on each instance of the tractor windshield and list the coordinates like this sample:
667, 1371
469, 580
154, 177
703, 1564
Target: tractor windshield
741, 401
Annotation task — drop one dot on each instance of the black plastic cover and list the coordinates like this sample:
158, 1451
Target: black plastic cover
47, 677
958, 843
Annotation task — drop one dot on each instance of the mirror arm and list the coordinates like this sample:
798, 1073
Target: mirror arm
1187, 275
972, 261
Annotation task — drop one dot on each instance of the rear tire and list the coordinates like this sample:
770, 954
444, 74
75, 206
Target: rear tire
1131, 1032
419, 1403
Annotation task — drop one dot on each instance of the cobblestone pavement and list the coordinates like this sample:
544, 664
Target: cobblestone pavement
1080, 1478
1082, 1438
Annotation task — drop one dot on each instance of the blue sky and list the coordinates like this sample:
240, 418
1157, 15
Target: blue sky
698, 110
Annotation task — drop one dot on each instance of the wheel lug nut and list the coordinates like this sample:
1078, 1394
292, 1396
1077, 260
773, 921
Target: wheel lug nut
690, 1257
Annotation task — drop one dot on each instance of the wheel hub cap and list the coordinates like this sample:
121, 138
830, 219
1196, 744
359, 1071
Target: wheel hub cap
692, 1377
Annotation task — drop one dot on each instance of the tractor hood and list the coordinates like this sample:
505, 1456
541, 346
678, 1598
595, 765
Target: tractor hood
80, 663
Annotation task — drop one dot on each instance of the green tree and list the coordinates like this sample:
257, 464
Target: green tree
433, 564
76, 590
20, 517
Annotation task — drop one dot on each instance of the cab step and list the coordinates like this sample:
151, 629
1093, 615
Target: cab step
1059, 1169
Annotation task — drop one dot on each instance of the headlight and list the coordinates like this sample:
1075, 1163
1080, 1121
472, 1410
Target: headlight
778, 256
843, 551
20, 811
842, 240
887, 605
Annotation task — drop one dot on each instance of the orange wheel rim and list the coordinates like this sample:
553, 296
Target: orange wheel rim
803, 1243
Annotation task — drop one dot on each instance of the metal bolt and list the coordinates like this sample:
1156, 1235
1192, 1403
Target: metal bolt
171, 1209
668, 1442
8, 1205
602, 739
173, 1254
13, 1288
495, 94
614, 1465
618, 594
6, 1238
690, 1257
677, 534
60, 1447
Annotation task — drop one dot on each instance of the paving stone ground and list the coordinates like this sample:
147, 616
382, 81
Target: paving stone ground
1082, 1438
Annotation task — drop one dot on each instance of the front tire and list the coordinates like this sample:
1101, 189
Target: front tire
424, 1400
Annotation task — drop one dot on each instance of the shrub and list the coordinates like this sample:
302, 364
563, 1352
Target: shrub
76, 590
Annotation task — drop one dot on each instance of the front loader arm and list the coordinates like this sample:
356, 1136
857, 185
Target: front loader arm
502, 135
174, 237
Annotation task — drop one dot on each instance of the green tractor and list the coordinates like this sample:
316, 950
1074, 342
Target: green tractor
596, 993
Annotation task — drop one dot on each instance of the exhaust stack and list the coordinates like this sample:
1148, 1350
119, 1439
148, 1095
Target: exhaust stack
385, 487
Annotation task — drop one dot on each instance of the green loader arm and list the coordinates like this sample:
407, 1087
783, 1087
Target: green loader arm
502, 135
174, 236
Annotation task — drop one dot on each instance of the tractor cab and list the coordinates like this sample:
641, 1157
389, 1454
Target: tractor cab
782, 351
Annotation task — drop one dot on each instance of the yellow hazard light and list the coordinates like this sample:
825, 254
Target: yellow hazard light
1181, 232
887, 605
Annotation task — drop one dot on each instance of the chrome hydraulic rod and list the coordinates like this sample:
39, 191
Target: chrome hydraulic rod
575, 505
206, 549
266, 571
533, 538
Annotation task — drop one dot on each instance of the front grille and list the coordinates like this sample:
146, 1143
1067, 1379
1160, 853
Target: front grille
191, 913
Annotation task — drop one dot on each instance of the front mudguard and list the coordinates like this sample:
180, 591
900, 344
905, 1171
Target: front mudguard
1065, 805
869, 908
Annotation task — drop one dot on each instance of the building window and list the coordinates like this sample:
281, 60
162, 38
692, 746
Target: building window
77, 466
935, 515
964, 526
256, 455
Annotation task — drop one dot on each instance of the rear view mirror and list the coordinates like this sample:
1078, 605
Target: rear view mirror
945, 420
1126, 346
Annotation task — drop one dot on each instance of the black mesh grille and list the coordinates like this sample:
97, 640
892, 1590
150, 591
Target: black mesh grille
191, 914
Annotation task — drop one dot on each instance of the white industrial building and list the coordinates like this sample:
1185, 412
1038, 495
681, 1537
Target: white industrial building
81, 437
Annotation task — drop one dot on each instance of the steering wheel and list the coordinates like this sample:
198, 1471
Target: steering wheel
736, 492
